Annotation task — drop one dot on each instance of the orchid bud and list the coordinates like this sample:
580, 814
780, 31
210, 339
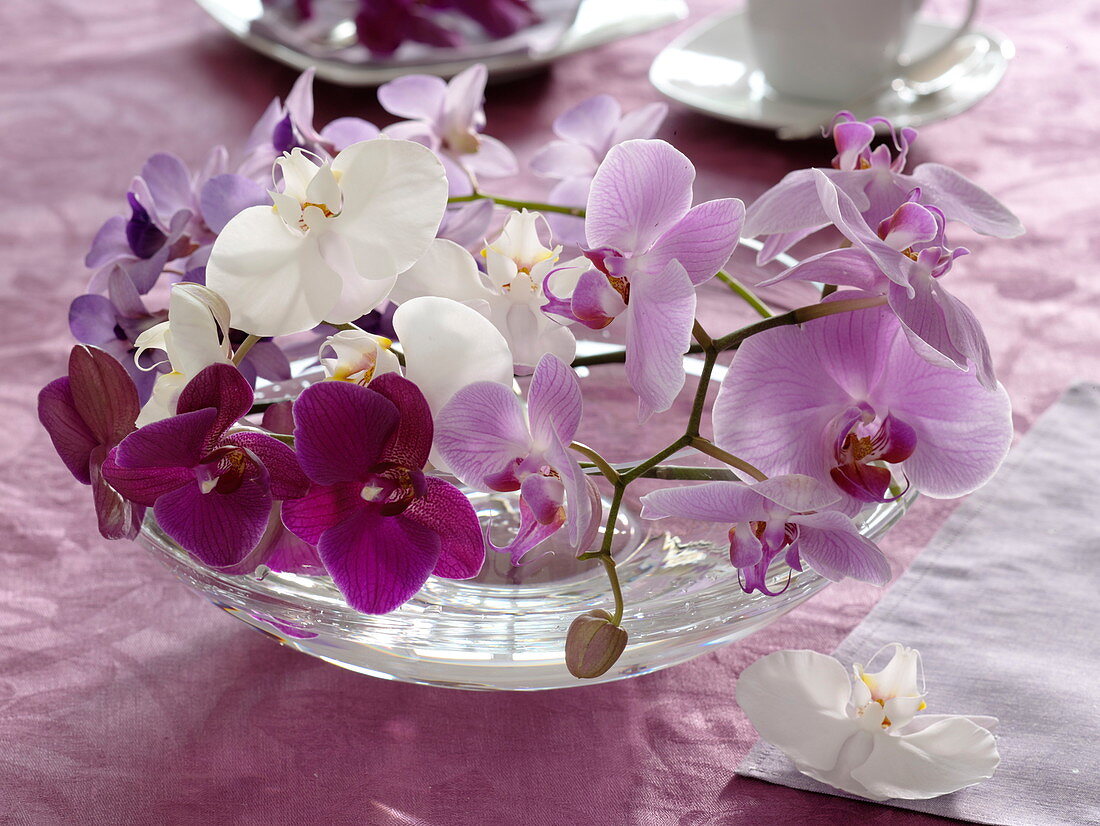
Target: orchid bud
593, 644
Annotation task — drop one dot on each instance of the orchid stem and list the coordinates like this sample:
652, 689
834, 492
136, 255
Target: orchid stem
602, 464
745, 293
711, 449
616, 588
537, 206
798, 316
242, 351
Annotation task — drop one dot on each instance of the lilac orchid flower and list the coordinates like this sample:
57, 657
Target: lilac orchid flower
785, 513
844, 394
650, 250
380, 525
875, 181
902, 258
586, 132
490, 444
86, 414
212, 489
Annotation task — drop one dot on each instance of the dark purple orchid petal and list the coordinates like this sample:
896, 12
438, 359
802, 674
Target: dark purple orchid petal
72, 438
143, 485
279, 418
341, 430
118, 518
218, 529
176, 442
379, 562
531, 533
411, 441
446, 510
222, 387
289, 554
223, 196
322, 507
103, 393
142, 234
867, 483
287, 479
499, 18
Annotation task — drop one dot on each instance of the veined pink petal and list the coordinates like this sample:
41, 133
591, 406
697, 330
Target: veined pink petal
832, 545
531, 533
722, 502
341, 430
595, 303
796, 493
962, 200
702, 241
580, 503
845, 268
924, 319
793, 204
642, 122
481, 434
414, 96
562, 159
591, 123
463, 100
446, 510
640, 190
545, 495
554, 401
662, 311
850, 346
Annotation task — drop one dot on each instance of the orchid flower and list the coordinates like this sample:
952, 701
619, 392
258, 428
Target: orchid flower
448, 119
86, 414
840, 396
586, 132
380, 525
510, 291
792, 513
211, 489
863, 735
650, 250
384, 25
357, 357
904, 258
877, 185
491, 445
195, 336
333, 243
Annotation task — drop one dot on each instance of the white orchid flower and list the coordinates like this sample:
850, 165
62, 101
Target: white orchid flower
863, 735
195, 336
331, 246
510, 293
357, 357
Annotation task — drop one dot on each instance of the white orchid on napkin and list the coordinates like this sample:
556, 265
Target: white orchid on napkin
863, 735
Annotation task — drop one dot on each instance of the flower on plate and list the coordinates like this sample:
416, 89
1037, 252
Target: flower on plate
904, 258
863, 735
876, 183
380, 525
490, 444
211, 488
840, 396
331, 246
585, 134
650, 249
510, 291
86, 414
791, 513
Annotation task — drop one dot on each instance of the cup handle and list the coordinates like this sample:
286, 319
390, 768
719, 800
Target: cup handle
918, 63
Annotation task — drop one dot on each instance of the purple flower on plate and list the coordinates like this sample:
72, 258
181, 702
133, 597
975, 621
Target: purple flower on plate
490, 444
903, 258
875, 181
499, 18
212, 489
380, 525
790, 514
586, 132
841, 396
383, 25
650, 249
86, 414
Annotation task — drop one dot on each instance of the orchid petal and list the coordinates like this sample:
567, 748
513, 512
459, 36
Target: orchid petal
463, 99
795, 493
103, 393
110, 244
554, 401
72, 438
343, 132
590, 123
222, 387
169, 183
531, 533
642, 122
481, 434
562, 159
341, 431
446, 510
493, 159
411, 441
832, 545
845, 268
722, 502
359, 293
446, 270
702, 241
794, 204
219, 529
414, 97
849, 346
286, 477
323, 506
595, 303
177, 442
580, 502
117, 517
845, 215
223, 196
962, 200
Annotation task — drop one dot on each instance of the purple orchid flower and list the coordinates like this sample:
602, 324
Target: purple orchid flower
485, 438
211, 489
650, 250
790, 513
383, 25
86, 414
840, 396
876, 183
499, 18
380, 525
586, 132
903, 258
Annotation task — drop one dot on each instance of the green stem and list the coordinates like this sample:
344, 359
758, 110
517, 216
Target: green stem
537, 206
797, 316
745, 293
616, 589
598, 461
242, 351
711, 449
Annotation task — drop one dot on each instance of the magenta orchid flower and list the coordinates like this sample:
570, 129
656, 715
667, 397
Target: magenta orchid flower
86, 414
380, 525
211, 488
490, 444
902, 258
875, 181
586, 132
790, 514
845, 394
650, 249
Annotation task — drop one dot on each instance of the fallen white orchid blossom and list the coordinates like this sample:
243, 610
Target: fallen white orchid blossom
862, 735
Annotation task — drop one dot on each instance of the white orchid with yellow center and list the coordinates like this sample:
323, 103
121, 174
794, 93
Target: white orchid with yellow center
331, 245
863, 735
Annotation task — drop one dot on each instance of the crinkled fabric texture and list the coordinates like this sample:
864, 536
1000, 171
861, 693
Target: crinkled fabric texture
125, 698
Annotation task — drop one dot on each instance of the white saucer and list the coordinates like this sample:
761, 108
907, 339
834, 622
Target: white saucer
567, 26
711, 69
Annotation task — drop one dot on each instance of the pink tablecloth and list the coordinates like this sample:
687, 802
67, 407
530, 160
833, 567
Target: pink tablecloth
125, 699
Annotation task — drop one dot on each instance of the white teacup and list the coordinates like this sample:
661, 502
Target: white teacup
836, 50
